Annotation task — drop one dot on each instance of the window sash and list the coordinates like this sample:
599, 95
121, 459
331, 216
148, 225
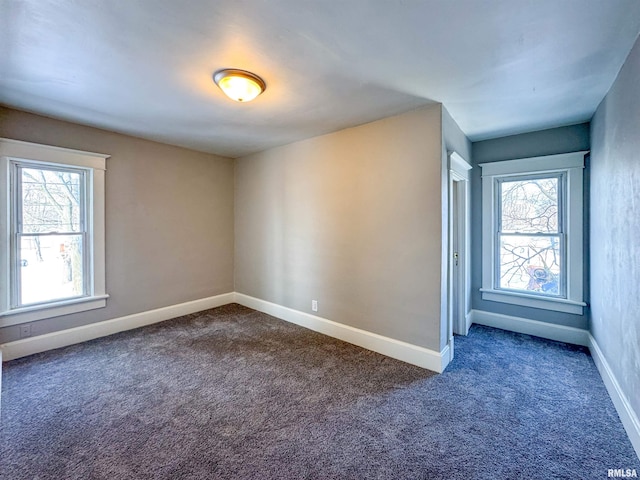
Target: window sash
17, 284
561, 178
17, 231
16, 182
562, 290
560, 234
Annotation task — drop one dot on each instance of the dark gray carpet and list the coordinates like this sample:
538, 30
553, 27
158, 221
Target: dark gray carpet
232, 393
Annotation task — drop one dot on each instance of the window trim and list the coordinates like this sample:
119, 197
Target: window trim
569, 164
95, 165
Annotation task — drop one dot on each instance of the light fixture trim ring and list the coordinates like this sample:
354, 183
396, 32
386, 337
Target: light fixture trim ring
219, 75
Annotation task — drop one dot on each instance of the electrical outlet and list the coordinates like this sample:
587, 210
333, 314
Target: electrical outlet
25, 330
314, 305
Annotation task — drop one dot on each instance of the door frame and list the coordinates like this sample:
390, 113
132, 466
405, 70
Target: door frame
459, 173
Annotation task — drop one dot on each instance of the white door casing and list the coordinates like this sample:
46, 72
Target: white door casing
459, 295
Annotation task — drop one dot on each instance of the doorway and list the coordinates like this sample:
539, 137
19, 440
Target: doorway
459, 297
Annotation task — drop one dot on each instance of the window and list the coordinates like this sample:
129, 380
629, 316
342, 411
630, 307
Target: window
54, 231
530, 237
532, 232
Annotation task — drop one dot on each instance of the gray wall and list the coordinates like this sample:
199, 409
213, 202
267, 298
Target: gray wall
615, 227
169, 219
351, 219
545, 142
453, 140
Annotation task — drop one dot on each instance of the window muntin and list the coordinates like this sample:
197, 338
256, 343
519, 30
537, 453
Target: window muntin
49, 234
530, 235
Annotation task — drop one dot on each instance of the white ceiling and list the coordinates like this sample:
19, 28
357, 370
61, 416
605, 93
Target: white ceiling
144, 67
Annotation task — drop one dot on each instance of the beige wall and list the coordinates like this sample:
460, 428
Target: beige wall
169, 219
351, 219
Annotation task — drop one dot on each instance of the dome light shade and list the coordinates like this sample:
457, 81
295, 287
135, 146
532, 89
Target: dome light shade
239, 85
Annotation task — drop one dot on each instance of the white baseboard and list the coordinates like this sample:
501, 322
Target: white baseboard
407, 352
560, 333
628, 417
63, 338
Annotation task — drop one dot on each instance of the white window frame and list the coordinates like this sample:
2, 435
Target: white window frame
93, 165
570, 166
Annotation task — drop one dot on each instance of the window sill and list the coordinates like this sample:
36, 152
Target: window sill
524, 300
49, 310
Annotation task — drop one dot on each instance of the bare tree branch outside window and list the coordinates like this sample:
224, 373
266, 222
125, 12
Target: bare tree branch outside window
530, 237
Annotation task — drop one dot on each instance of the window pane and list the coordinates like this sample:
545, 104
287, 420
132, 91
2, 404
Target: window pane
530, 206
50, 268
50, 201
530, 263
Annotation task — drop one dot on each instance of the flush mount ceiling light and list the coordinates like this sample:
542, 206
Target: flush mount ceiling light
239, 85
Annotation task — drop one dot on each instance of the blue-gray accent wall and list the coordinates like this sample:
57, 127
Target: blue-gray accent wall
553, 141
615, 230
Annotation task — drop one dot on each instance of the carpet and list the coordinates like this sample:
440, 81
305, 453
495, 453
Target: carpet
231, 393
